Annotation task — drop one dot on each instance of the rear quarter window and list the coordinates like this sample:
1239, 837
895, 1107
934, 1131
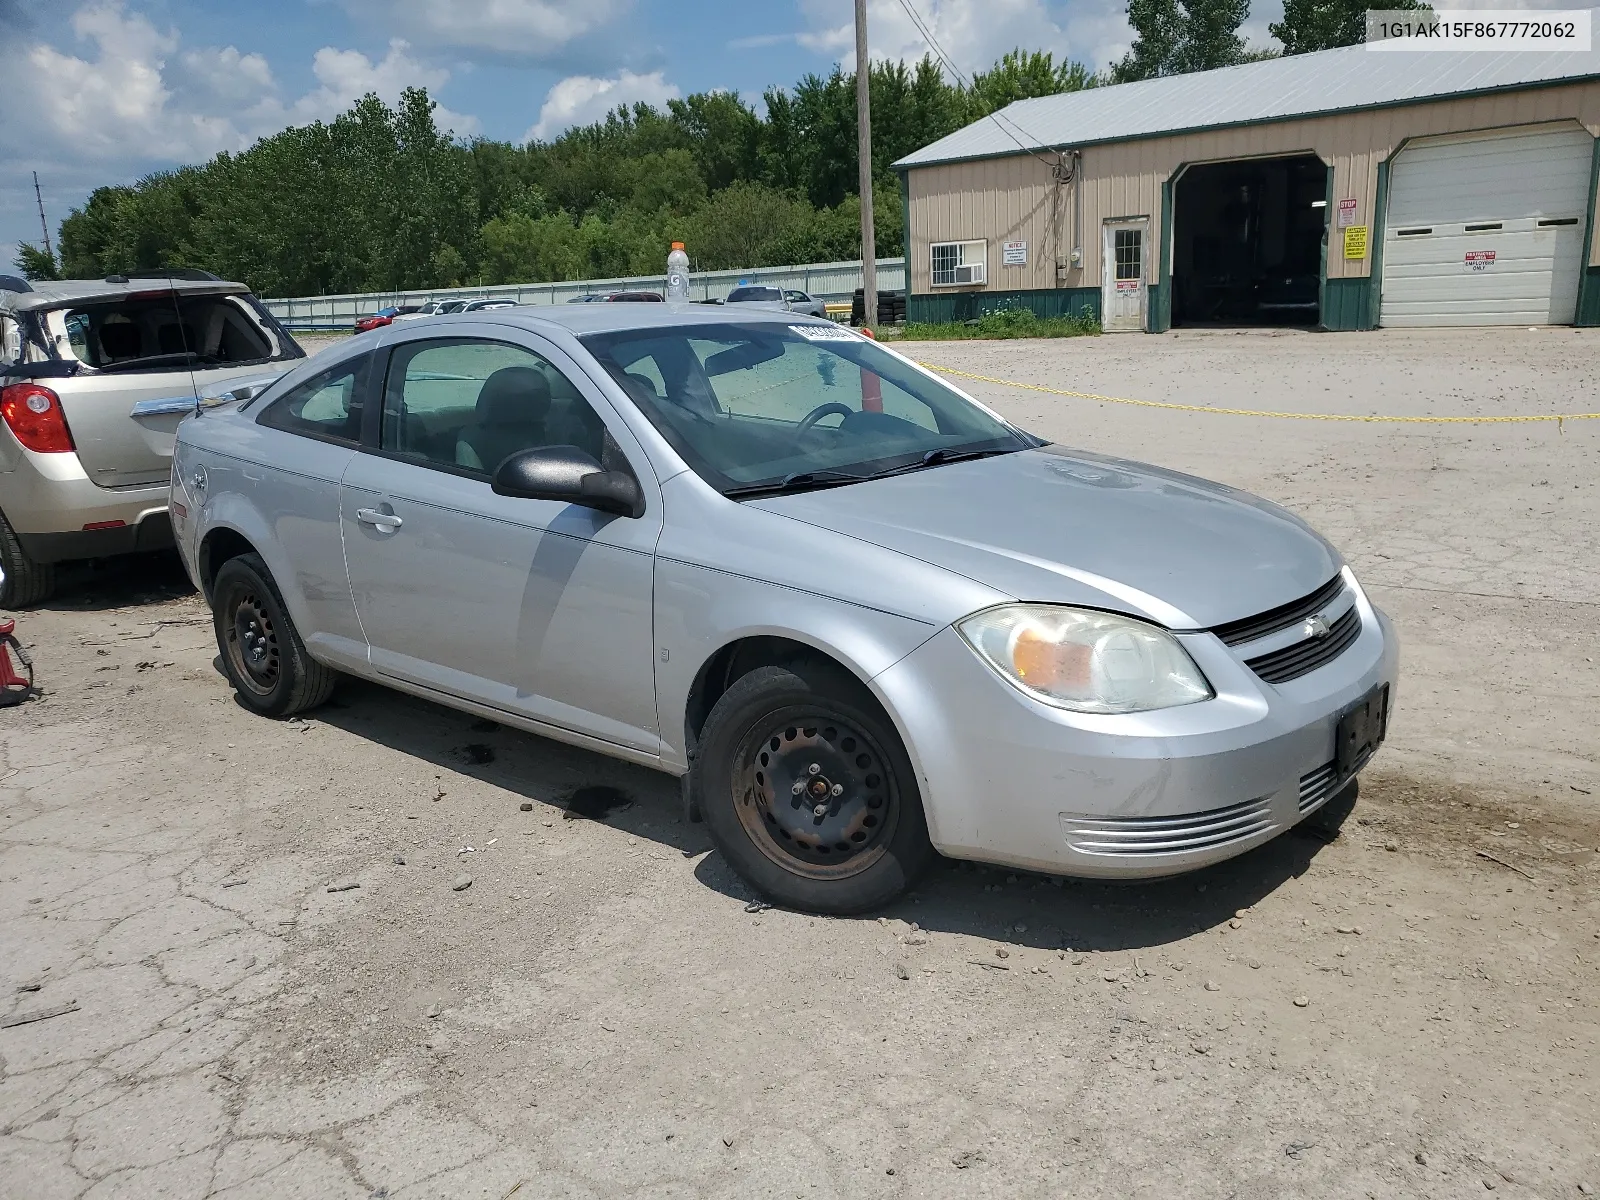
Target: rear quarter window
328, 406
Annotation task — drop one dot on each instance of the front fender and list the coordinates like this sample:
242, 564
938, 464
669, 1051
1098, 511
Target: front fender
700, 611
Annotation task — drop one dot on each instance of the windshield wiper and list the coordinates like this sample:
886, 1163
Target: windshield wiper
936, 458
798, 481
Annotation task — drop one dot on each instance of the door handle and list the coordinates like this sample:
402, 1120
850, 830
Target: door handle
385, 522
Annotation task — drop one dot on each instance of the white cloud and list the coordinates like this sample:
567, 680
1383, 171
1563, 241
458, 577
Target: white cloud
122, 97
536, 29
130, 95
974, 33
345, 76
580, 99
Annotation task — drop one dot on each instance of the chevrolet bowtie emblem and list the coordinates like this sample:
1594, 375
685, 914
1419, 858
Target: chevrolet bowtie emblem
1316, 628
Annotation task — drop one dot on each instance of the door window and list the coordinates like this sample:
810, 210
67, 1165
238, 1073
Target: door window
10, 342
326, 406
468, 404
1129, 252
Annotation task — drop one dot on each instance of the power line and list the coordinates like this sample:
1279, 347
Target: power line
1001, 121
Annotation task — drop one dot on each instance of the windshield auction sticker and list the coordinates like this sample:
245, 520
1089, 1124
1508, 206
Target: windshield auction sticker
1479, 29
825, 333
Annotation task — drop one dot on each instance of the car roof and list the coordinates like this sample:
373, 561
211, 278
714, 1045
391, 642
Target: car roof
583, 319
61, 292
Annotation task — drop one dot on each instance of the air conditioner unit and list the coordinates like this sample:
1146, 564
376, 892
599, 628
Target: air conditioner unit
970, 273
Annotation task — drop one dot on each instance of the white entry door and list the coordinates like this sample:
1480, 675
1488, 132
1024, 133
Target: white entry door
1122, 271
1487, 228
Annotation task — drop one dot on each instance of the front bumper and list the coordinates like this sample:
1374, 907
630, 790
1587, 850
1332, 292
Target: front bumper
49, 499
1009, 780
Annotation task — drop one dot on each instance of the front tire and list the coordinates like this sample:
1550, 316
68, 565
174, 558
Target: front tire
27, 582
262, 653
807, 791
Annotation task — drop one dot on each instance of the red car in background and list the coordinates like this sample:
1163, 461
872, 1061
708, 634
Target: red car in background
384, 316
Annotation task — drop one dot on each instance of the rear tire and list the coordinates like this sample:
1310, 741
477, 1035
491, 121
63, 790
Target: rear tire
261, 650
807, 791
27, 582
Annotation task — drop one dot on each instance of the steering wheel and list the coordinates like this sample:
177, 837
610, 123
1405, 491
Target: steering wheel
820, 411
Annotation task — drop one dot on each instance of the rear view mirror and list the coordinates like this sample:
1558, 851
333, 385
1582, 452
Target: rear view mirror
568, 475
742, 357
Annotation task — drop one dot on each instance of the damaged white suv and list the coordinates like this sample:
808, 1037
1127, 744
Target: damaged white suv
94, 377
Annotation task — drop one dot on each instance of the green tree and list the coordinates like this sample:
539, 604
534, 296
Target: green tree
1023, 75
379, 198
1309, 25
35, 262
1173, 37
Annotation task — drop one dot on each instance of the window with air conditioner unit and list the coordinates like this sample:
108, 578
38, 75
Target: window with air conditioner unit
956, 264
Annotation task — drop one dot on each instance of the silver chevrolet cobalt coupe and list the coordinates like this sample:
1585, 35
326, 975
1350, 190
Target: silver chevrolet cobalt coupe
862, 616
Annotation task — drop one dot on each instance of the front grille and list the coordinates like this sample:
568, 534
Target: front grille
1316, 786
1306, 656
1142, 836
1253, 629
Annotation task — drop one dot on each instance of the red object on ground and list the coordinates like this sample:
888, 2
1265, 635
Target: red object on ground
14, 687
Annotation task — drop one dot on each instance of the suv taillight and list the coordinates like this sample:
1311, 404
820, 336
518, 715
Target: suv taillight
34, 415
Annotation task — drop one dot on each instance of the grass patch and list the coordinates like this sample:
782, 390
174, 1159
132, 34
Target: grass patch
1003, 324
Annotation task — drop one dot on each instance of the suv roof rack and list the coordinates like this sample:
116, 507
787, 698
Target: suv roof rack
14, 283
188, 274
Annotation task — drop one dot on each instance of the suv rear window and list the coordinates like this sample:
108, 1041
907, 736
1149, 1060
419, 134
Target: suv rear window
166, 333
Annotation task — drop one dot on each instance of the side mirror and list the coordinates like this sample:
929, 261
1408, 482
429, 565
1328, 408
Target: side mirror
567, 474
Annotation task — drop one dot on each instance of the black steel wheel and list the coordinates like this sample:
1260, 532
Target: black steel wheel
814, 793
252, 643
807, 791
261, 650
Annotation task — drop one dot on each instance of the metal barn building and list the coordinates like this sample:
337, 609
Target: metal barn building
1348, 188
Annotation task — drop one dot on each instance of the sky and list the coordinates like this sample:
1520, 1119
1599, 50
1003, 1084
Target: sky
103, 91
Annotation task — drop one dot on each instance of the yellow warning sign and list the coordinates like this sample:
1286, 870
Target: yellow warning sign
1355, 241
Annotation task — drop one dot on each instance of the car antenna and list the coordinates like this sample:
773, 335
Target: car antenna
183, 338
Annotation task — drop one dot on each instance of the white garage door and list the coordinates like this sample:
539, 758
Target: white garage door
1487, 229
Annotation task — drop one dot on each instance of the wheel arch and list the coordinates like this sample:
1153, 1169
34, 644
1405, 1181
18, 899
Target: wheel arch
220, 543
750, 650
232, 525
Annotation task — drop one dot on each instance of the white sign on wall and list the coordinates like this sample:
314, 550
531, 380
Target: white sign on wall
1014, 254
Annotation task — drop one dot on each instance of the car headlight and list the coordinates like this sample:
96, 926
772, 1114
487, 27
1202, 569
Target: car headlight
1083, 660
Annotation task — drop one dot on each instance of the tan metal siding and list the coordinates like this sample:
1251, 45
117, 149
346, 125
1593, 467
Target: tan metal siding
1007, 198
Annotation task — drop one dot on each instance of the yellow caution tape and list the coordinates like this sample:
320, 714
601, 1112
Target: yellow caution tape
1558, 418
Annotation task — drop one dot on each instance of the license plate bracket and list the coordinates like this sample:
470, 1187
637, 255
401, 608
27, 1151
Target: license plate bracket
1361, 730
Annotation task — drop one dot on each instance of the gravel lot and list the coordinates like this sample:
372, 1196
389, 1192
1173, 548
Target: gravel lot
280, 993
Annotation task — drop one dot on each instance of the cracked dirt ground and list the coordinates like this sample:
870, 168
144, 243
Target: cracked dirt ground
598, 1014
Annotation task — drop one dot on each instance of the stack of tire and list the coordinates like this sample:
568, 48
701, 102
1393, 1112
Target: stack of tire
891, 308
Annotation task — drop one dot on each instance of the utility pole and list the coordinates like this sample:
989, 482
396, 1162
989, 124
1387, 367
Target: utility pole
43, 224
869, 247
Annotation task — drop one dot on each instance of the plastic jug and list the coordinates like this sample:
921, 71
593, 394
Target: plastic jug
677, 273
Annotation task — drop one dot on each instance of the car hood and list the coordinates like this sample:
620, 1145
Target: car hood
1072, 527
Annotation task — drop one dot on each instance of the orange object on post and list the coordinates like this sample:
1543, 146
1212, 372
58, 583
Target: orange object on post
871, 392
871, 385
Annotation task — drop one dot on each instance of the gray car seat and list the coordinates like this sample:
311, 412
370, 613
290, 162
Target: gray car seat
510, 416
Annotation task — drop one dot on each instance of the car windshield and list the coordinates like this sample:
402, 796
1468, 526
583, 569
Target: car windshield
740, 295
748, 406
167, 331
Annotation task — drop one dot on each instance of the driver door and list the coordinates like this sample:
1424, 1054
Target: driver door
534, 607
